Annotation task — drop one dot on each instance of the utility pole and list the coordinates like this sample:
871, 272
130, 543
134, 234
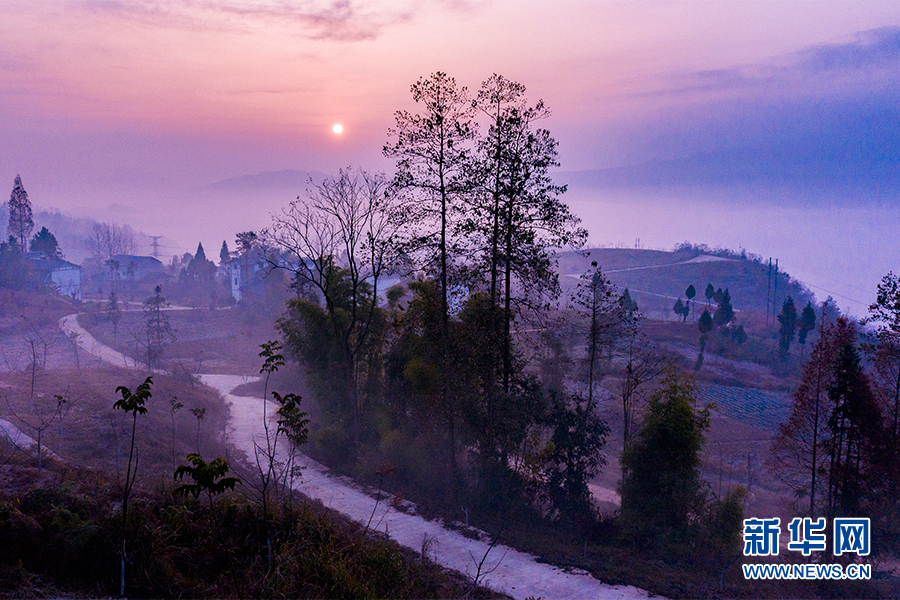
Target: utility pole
155, 244
768, 290
775, 292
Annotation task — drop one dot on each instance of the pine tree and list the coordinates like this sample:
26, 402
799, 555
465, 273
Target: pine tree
679, 309
44, 241
855, 427
788, 320
158, 328
21, 221
807, 324
224, 254
709, 293
689, 293
724, 313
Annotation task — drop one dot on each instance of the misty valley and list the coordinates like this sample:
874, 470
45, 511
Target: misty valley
428, 384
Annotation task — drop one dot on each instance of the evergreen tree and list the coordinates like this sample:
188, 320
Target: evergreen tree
854, 426
199, 268
224, 254
807, 323
680, 309
689, 293
44, 241
631, 307
788, 320
705, 324
661, 487
724, 313
709, 293
21, 221
158, 329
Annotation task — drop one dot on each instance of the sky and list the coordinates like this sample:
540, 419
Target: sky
129, 111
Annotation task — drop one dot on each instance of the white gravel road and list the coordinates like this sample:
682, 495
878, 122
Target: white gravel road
506, 570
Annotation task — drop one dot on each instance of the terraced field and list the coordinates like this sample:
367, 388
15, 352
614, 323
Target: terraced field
764, 410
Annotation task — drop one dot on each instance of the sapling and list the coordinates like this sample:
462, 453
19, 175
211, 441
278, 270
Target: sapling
130, 403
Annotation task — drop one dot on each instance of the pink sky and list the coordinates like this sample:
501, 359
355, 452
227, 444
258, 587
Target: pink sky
272, 77
113, 109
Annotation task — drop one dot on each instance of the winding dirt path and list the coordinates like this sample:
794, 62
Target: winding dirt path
505, 569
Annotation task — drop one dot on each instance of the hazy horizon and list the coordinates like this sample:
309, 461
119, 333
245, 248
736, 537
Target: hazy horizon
764, 126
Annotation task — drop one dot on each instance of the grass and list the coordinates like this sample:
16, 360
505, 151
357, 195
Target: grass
186, 548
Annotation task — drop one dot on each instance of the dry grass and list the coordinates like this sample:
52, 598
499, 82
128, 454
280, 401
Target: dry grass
92, 434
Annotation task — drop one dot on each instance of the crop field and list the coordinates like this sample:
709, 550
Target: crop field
763, 410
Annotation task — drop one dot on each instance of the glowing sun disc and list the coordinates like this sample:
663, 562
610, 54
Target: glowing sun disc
337, 128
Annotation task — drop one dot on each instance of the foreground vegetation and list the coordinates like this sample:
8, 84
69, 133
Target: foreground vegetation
60, 532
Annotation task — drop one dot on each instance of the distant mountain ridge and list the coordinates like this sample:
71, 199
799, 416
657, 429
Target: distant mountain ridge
873, 174
265, 181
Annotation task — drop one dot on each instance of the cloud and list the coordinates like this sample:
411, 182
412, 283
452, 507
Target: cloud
825, 117
871, 58
339, 20
869, 49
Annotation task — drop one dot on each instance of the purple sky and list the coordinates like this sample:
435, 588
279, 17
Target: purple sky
118, 109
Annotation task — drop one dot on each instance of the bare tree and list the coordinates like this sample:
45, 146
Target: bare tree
40, 420
340, 241
109, 239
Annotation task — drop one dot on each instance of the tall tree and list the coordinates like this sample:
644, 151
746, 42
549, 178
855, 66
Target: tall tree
689, 293
807, 324
21, 221
885, 311
521, 215
788, 321
883, 349
799, 450
341, 240
661, 487
606, 319
157, 327
431, 149
855, 427
224, 254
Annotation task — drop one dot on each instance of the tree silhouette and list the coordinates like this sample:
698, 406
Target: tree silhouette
21, 221
431, 149
724, 313
681, 309
807, 324
788, 321
709, 293
689, 293
224, 254
661, 487
44, 241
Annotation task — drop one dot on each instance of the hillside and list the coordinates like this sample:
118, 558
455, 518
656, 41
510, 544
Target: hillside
656, 279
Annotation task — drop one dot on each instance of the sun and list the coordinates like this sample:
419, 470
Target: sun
337, 129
